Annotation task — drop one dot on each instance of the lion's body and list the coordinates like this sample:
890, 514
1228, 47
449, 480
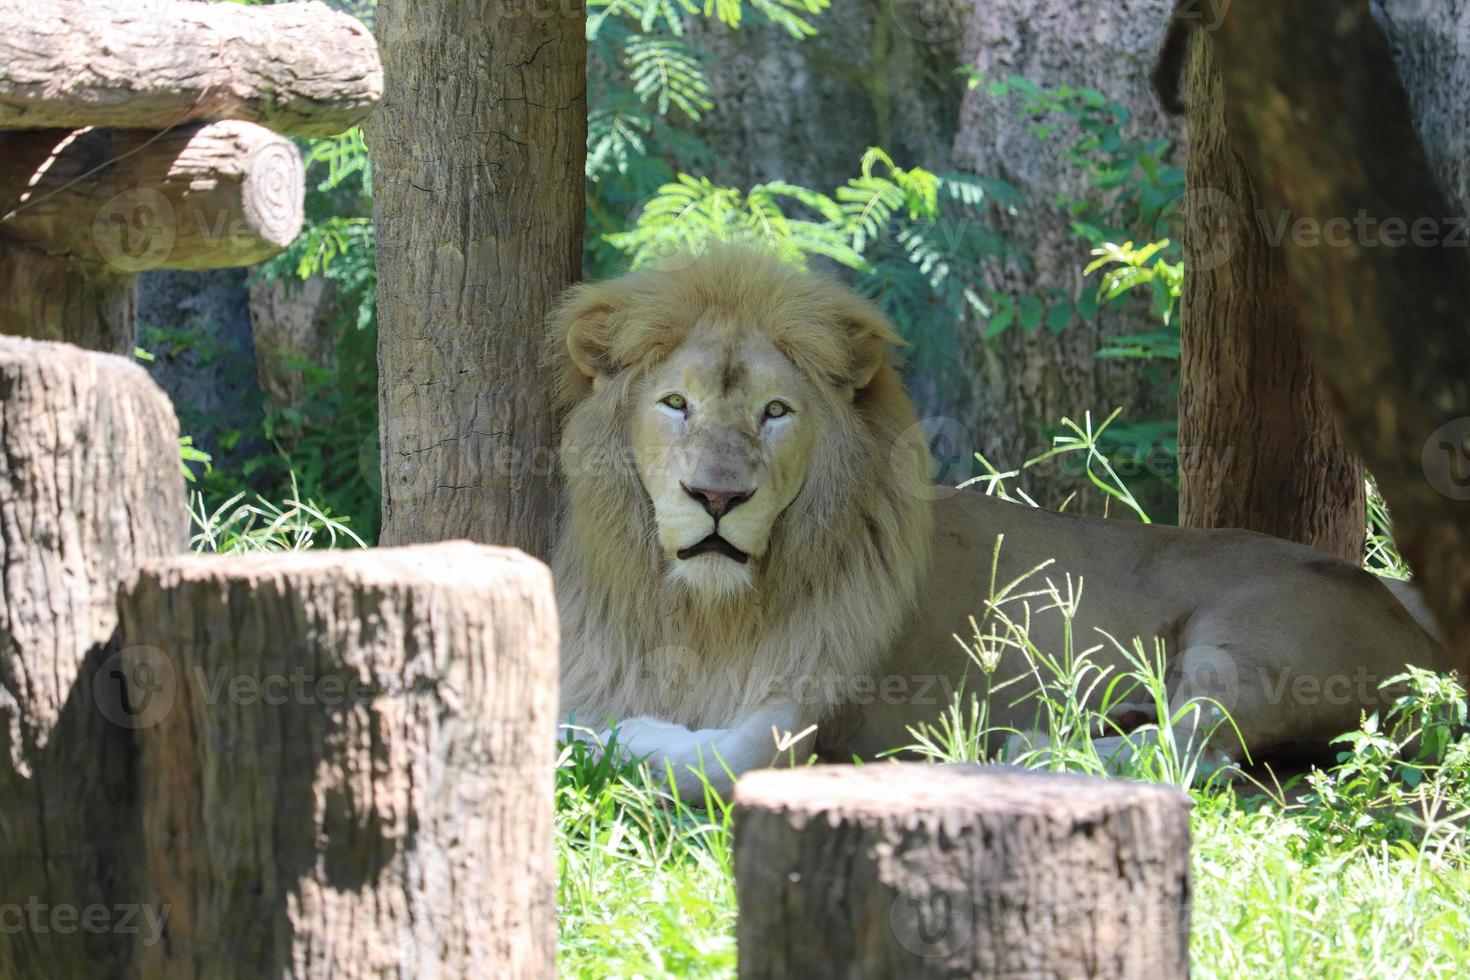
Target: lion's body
1291, 641
751, 542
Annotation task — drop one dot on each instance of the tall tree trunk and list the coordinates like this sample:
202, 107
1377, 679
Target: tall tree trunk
888, 65
1328, 132
1258, 443
478, 150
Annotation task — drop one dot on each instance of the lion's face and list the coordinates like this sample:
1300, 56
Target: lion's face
722, 431
730, 425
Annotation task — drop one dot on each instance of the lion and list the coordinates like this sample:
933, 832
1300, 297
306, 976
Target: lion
754, 565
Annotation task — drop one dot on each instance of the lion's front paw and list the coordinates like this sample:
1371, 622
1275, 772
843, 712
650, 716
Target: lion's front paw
645, 737
671, 748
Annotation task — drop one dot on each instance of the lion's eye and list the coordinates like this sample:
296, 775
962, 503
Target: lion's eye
676, 402
776, 409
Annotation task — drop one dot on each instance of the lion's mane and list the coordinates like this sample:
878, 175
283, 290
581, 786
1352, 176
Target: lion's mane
844, 560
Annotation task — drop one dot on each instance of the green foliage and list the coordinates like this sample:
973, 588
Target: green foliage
328, 445
1133, 191
645, 83
1381, 554
914, 236
1129, 268
240, 526
1402, 778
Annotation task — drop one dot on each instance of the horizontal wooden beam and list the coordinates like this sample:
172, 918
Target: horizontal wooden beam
198, 197
301, 69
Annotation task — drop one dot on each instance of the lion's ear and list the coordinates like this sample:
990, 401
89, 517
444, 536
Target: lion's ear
581, 339
589, 342
869, 339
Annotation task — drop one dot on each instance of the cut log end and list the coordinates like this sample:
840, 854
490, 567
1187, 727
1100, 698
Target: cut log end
925, 871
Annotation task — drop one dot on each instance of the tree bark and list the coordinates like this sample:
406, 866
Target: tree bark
301, 69
919, 871
889, 65
346, 766
46, 297
89, 487
1258, 442
478, 153
1328, 133
1022, 383
196, 197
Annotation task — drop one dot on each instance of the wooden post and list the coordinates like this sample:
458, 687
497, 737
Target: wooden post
921, 871
81, 212
345, 767
89, 487
196, 197
136, 145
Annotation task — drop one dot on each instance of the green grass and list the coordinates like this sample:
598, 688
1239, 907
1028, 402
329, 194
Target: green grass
1368, 876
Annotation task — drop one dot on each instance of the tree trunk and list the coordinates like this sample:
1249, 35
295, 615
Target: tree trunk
919, 871
89, 487
300, 69
345, 767
888, 65
1258, 441
478, 153
48, 297
195, 197
1022, 383
1328, 133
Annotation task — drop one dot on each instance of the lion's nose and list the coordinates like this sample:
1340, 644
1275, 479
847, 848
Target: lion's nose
718, 503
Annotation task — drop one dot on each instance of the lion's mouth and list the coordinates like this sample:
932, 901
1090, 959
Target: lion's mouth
716, 545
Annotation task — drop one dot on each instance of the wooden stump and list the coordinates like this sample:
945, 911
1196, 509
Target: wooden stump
919, 871
89, 486
346, 766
